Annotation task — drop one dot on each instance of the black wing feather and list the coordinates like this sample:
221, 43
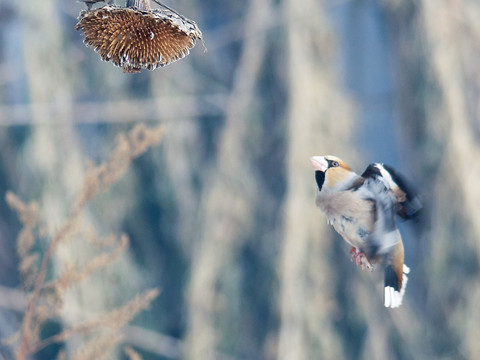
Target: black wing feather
372, 171
407, 209
412, 205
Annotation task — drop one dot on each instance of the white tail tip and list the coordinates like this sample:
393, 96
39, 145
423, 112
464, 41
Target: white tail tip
393, 298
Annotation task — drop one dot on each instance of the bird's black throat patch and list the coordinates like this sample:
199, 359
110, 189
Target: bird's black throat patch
320, 179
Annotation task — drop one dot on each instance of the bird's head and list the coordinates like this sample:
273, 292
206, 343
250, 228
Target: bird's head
332, 173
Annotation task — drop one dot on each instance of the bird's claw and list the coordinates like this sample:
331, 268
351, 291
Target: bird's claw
360, 259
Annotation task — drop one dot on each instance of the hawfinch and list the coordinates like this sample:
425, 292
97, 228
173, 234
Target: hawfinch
362, 210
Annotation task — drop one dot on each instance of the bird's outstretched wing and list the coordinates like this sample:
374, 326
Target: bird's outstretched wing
385, 234
408, 203
411, 204
393, 195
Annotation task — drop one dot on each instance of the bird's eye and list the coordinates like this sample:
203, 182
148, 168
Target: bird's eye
334, 163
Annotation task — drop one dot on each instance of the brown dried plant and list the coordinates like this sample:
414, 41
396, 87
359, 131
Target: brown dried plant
138, 37
46, 297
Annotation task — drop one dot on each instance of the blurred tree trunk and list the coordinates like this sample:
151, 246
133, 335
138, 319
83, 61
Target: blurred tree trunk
182, 152
438, 42
226, 208
52, 151
452, 32
319, 120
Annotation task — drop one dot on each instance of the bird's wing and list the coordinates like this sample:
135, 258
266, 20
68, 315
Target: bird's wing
411, 204
408, 202
384, 235
392, 195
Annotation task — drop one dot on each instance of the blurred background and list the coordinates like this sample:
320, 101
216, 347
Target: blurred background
221, 214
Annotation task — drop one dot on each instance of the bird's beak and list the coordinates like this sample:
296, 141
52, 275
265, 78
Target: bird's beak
319, 163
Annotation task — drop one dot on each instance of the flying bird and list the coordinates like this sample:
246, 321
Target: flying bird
362, 209
137, 37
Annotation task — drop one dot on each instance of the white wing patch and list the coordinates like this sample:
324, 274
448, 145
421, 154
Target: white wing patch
386, 177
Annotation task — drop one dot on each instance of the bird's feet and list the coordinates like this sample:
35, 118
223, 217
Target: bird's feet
360, 259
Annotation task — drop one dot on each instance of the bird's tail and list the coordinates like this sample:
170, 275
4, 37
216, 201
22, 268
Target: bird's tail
395, 284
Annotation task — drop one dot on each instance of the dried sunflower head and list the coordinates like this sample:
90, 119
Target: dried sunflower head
138, 39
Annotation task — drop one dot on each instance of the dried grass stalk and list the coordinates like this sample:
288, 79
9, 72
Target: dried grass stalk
127, 148
28, 215
98, 346
46, 298
113, 320
73, 275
